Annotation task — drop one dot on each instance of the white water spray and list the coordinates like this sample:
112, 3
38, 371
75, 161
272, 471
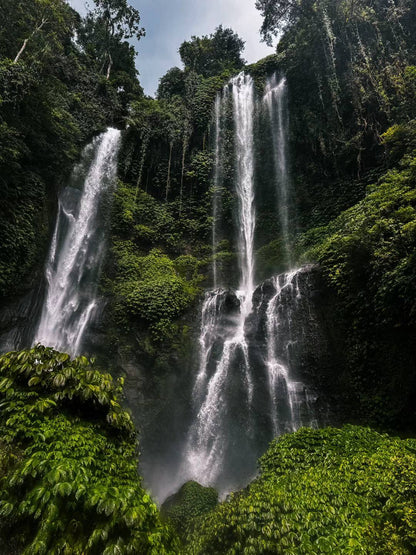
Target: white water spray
77, 248
289, 407
208, 436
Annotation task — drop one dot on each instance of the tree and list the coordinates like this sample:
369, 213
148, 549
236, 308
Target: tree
171, 84
39, 23
280, 14
106, 30
213, 54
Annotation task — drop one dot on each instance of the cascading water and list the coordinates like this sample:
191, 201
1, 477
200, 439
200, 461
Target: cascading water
245, 346
243, 108
220, 106
223, 345
216, 183
275, 99
289, 401
77, 248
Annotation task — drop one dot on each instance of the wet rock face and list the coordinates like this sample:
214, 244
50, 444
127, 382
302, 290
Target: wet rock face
313, 341
18, 318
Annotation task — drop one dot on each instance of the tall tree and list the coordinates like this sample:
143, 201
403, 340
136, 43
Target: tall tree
107, 29
40, 26
210, 55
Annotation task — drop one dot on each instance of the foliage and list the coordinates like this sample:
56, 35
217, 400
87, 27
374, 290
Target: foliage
356, 60
271, 259
149, 288
320, 491
211, 55
75, 488
190, 502
172, 84
52, 100
375, 241
104, 32
368, 258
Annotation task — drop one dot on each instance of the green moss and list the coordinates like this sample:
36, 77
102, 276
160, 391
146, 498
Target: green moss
154, 288
371, 247
271, 259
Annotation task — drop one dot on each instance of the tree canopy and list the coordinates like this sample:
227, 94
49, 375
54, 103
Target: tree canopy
106, 30
209, 55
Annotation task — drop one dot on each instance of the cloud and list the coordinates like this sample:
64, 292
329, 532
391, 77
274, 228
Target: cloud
78, 5
169, 22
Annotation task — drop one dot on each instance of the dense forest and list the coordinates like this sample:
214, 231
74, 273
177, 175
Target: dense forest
208, 298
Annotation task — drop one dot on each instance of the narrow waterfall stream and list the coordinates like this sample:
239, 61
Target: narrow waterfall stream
290, 408
77, 248
240, 384
275, 99
209, 436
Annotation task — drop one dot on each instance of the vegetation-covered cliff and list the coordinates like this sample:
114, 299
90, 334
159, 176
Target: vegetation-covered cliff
68, 459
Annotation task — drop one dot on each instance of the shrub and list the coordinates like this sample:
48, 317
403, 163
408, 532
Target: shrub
190, 502
75, 488
320, 491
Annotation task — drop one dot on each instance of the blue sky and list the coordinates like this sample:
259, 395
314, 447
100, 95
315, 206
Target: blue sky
169, 22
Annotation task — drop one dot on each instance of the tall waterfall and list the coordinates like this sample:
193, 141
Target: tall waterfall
223, 345
77, 248
245, 390
220, 106
243, 105
275, 99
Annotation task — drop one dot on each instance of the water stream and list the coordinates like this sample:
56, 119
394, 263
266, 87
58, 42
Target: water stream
77, 248
209, 436
275, 99
230, 406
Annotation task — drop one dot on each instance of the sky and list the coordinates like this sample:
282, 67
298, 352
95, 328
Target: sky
169, 22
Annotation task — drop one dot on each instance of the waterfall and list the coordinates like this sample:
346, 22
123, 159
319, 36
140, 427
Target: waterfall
243, 105
77, 248
246, 389
219, 115
289, 403
223, 344
275, 99
218, 104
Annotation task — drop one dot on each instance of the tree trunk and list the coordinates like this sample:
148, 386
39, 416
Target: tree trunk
142, 159
110, 65
21, 50
168, 176
38, 28
184, 148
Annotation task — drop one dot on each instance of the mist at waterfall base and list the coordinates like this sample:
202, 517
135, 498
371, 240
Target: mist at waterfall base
78, 248
246, 388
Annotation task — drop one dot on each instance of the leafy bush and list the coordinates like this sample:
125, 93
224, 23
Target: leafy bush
320, 491
75, 488
150, 288
190, 502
